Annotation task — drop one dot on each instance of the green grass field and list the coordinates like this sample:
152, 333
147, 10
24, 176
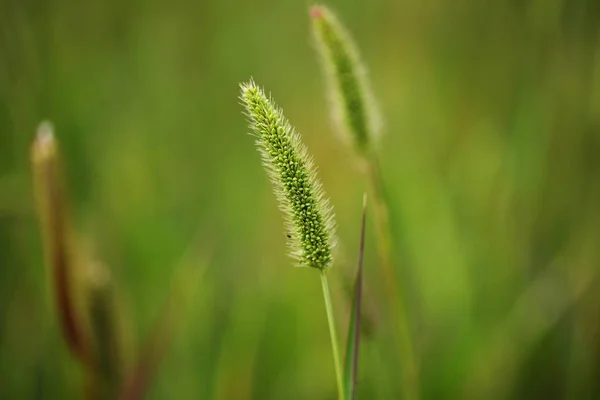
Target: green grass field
490, 158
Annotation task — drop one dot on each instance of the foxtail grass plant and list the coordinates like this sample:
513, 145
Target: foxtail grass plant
57, 238
91, 326
358, 121
82, 295
308, 214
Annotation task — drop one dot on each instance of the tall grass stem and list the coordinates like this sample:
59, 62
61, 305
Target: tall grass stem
397, 305
333, 334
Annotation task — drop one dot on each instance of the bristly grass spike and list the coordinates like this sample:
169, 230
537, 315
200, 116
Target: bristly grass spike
308, 214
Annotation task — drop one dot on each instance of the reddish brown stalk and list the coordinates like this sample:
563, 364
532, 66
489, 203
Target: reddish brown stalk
359, 291
53, 216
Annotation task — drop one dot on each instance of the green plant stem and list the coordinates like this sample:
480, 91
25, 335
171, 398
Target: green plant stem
397, 307
333, 334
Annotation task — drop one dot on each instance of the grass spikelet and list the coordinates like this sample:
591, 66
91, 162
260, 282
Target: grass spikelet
309, 217
352, 101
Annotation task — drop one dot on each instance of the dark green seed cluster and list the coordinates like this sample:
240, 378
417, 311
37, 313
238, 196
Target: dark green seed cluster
290, 168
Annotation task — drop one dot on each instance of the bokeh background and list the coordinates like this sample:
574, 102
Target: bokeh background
491, 157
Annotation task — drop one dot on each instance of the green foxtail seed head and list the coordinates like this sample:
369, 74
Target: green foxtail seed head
309, 217
353, 106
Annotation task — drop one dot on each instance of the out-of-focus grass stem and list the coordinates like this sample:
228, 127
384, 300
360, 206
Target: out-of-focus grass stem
107, 350
397, 305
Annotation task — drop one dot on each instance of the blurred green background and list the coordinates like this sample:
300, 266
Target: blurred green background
491, 157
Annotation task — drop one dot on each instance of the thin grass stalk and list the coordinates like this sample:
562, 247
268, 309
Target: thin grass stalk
354, 325
397, 305
333, 334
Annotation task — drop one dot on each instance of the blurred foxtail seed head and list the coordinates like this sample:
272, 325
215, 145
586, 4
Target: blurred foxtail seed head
56, 237
353, 106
